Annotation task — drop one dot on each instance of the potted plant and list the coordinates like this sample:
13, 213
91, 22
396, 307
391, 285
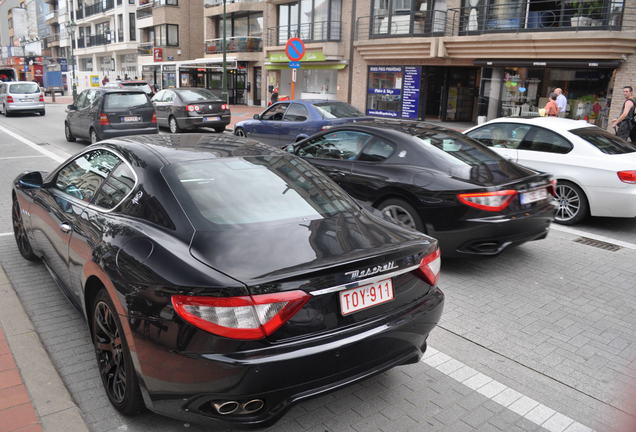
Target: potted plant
579, 19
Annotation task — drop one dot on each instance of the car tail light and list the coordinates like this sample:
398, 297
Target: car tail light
154, 118
103, 120
192, 108
552, 187
246, 317
225, 107
9, 99
41, 97
489, 201
627, 176
430, 266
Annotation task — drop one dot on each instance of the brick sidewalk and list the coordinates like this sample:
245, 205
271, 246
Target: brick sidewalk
16, 409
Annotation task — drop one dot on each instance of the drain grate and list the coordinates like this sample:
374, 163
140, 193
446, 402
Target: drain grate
598, 244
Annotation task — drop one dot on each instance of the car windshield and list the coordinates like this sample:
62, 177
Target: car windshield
330, 110
466, 159
141, 86
24, 88
604, 141
124, 100
252, 190
198, 95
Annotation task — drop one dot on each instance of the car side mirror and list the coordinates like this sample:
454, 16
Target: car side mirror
31, 180
256, 117
71, 107
289, 148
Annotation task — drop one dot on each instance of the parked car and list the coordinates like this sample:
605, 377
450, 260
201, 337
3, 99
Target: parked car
291, 121
171, 247
191, 108
21, 97
140, 85
595, 170
437, 181
103, 112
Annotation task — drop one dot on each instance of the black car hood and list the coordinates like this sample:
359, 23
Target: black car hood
264, 253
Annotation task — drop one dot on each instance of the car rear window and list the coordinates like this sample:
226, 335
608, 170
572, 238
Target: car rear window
25, 88
141, 86
604, 141
124, 100
330, 110
252, 190
198, 95
466, 159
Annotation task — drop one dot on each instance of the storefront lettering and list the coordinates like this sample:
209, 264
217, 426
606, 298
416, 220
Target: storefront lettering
411, 98
380, 113
385, 91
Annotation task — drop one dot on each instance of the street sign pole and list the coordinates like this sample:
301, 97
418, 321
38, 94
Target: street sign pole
293, 84
295, 50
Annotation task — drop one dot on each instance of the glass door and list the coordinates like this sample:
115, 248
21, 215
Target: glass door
257, 85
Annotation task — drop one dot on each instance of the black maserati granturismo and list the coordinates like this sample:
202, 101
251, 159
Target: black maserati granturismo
224, 280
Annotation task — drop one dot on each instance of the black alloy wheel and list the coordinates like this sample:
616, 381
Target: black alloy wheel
240, 132
113, 357
19, 232
573, 205
401, 213
68, 133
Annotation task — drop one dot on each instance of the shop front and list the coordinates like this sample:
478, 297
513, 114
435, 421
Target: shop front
422, 92
522, 88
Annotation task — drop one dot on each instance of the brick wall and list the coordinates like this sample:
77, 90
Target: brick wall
625, 75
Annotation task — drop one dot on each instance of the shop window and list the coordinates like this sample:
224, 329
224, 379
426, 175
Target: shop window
543, 140
384, 96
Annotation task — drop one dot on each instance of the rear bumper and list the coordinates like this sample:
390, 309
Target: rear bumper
24, 108
285, 373
114, 133
198, 122
492, 235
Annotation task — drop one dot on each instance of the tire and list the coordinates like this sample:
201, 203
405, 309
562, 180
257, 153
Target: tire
219, 129
240, 132
401, 213
93, 136
68, 133
42, 112
173, 126
6, 112
113, 357
573, 204
19, 232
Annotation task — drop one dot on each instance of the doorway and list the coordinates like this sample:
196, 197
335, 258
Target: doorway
450, 93
257, 85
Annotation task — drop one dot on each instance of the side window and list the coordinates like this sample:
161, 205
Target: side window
81, 99
83, 176
168, 97
504, 135
119, 184
343, 145
543, 140
276, 112
159, 96
376, 150
90, 97
296, 112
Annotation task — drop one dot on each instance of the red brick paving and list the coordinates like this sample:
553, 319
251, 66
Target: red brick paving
16, 410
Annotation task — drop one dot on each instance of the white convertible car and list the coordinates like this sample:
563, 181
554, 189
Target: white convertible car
595, 170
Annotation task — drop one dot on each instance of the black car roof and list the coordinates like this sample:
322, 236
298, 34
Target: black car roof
197, 146
119, 90
409, 127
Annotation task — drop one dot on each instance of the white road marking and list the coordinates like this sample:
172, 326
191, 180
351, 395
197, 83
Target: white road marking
45, 152
593, 236
501, 394
22, 157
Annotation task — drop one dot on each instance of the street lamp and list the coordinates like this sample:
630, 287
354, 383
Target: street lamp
224, 77
71, 26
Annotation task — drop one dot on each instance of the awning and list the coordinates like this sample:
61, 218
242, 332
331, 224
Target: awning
555, 63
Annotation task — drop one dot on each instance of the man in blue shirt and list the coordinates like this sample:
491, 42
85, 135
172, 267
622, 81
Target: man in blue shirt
561, 101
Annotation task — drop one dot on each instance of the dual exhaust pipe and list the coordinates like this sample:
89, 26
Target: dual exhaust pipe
235, 407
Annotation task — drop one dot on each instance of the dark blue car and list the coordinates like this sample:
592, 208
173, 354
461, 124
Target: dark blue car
290, 121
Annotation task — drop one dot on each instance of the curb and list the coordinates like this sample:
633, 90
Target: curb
49, 396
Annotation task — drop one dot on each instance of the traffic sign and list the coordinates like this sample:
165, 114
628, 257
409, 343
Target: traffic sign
295, 49
294, 65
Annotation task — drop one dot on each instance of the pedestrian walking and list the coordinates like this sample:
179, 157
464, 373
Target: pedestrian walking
551, 108
105, 80
624, 123
561, 101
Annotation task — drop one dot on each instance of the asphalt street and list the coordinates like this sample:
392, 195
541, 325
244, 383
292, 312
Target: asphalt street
539, 338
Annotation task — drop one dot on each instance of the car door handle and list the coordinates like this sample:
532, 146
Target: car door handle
336, 174
65, 228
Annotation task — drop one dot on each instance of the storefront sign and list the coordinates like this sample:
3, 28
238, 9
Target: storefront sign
385, 69
294, 65
157, 54
411, 98
94, 80
385, 91
381, 113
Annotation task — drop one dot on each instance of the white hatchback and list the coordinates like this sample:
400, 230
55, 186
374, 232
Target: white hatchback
595, 170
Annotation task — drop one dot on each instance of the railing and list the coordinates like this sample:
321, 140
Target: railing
421, 23
144, 48
99, 7
79, 14
51, 15
234, 44
99, 39
321, 31
212, 3
144, 13
80, 44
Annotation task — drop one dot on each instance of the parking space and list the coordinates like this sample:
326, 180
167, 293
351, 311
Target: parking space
539, 338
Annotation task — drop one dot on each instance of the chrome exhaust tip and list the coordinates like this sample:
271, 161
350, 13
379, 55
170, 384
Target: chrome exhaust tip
252, 406
226, 408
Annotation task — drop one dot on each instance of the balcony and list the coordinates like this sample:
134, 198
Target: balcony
99, 7
79, 14
420, 23
322, 31
99, 39
212, 3
51, 16
234, 44
144, 49
144, 13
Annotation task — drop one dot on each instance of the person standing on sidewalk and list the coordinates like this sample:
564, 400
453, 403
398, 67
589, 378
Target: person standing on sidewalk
624, 123
551, 108
561, 101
